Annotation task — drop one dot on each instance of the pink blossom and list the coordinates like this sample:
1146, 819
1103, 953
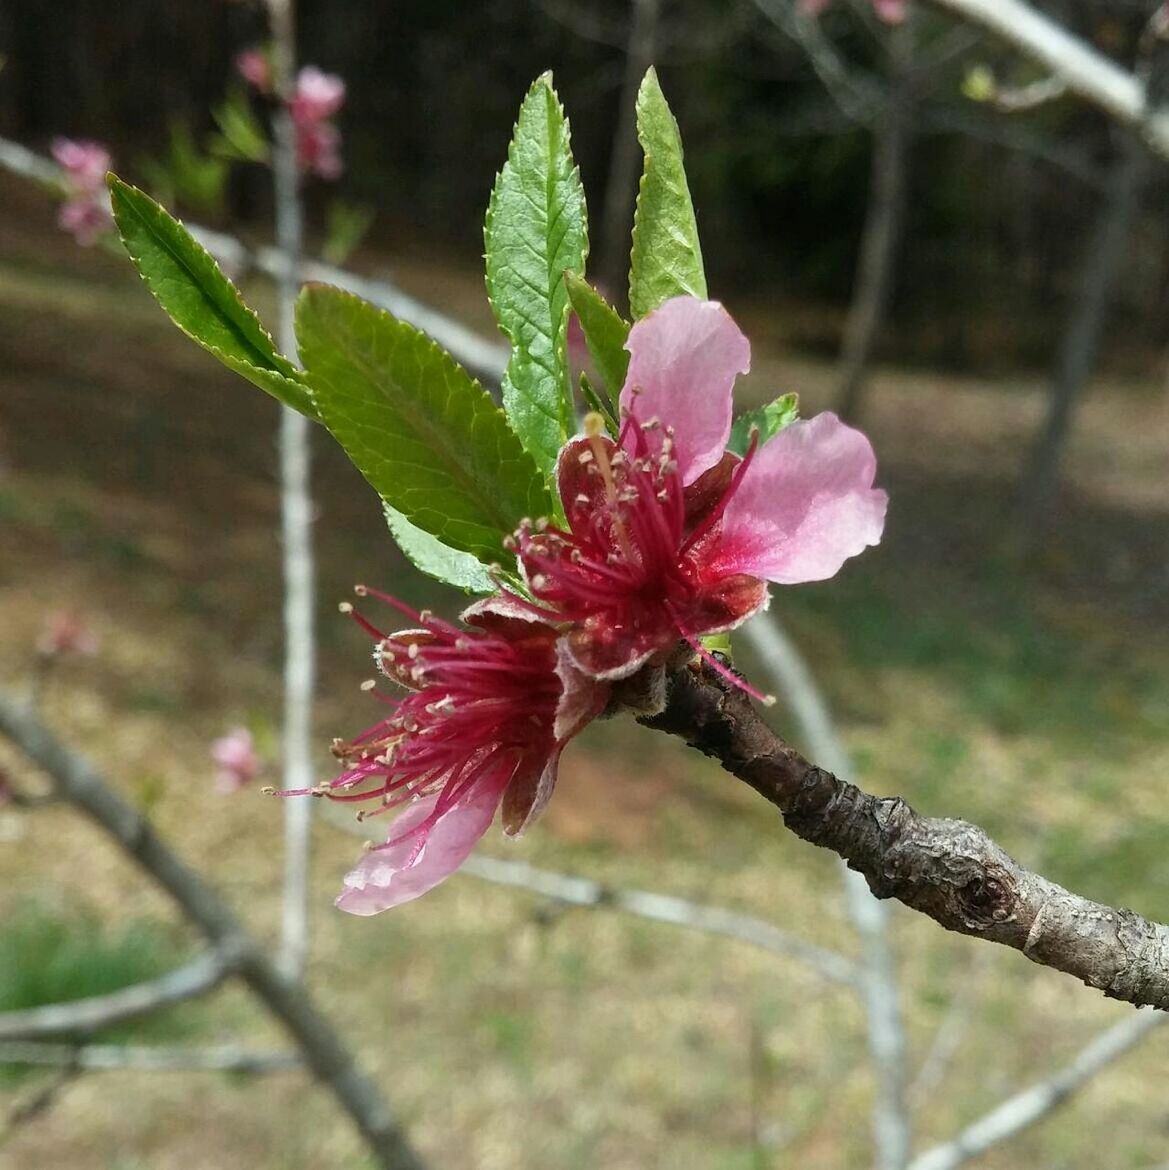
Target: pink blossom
318, 95
85, 219
85, 214
238, 761
255, 68
317, 98
489, 712
318, 149
890, 11
669, 536
65, 633
85, 164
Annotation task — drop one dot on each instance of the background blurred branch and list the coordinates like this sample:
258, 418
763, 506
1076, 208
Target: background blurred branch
81, 1016
296, 512
287, 999
483, 357
1034, 1103
588, 894
40, 1100
225, 1058
1092, 75
859, 95
592, 895
949, 870
789, 673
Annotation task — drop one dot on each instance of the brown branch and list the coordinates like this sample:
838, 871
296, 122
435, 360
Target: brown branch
947, 869
287, 999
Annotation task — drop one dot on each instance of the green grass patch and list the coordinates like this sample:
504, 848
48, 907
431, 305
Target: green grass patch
47, 956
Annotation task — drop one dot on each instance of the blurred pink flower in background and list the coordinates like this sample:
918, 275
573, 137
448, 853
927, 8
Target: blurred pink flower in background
237, 759
316, 100
318, 149
890, 11
85, 214
254, 67
65, 633
318, 96
318, 141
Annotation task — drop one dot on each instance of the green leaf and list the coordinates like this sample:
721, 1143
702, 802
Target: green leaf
536, 229
604, 330
768, 420
199, 299
595, 402
346, 225
436, 559
421, 430
241, 136
667, 259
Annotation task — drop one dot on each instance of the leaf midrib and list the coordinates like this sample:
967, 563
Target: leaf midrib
267, 361
428, 435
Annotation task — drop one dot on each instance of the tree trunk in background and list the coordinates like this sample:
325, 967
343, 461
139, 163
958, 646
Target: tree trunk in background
885, 215
1100, 267
621, 187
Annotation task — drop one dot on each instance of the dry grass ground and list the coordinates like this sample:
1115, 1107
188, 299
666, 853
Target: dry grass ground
137, 489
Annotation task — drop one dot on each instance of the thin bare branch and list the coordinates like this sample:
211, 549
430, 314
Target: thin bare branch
1033, 1104
39, 1101
84, 1016
949, 870
587, 894
789, 672
592, 895
948, 1037
1085, 71
296, 514
224, 1058
1017, 99
1073, 160
287, 999
483, 357
860, 96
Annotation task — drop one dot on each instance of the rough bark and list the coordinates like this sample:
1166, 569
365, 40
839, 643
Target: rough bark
949, 870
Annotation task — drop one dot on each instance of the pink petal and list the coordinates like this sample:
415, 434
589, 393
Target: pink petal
804, 506
419, 860
318, 96
84, 162
683, 360
890, 11
254, 67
